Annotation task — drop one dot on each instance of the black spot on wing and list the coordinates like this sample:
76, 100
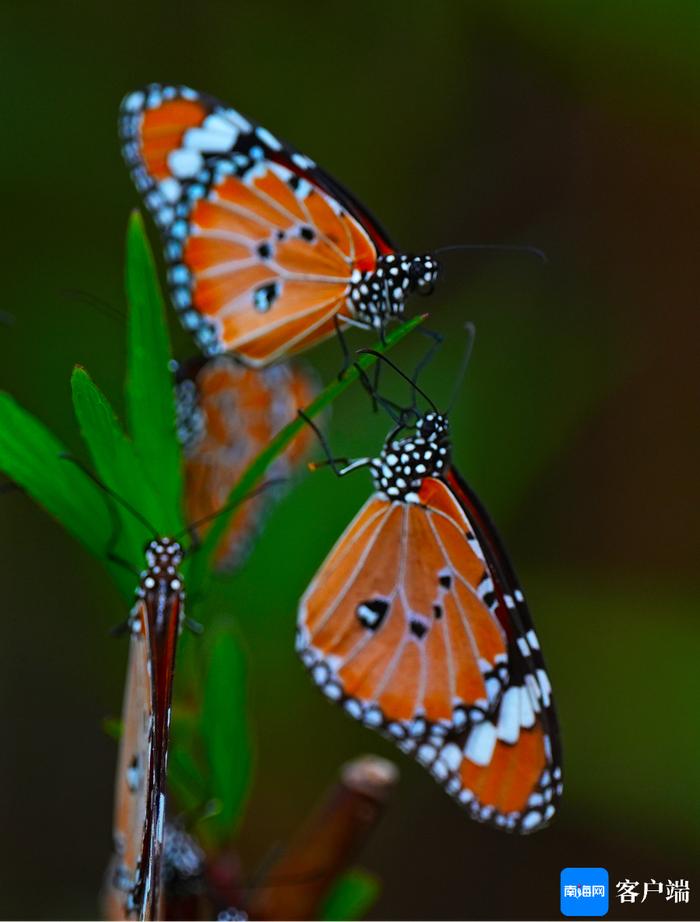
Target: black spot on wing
265, 296
372, 612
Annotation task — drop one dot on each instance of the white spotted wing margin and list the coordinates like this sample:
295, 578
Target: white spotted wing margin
232, 135
526, 665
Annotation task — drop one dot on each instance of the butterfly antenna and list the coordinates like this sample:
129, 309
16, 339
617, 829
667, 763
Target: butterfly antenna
497, 248
85, 297
470, 330
402, 374
190, 529
330, 461
105, 489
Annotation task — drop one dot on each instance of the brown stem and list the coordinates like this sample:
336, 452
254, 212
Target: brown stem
296, 884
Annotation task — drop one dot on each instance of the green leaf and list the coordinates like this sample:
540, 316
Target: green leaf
116, 464
225, 731
201, 562
185, 779
31, 456
150, 405
113, 727
351, 896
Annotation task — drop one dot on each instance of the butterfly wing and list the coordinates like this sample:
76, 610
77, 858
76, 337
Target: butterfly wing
398, 628
261, 244
133, 886
227, 414
392, 633
528, 675
132, 789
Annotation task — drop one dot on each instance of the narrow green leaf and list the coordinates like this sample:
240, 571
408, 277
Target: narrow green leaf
150, 404
200, 562
31, 456
225, 731
185, 779
116, 465
351, 896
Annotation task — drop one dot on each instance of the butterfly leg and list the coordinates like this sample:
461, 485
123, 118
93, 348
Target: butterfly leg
121, 562
339, 466
370, 386
119, 630
375, 386
347, 360
402, 416
194, 626
195, 540
352, 322
437, 341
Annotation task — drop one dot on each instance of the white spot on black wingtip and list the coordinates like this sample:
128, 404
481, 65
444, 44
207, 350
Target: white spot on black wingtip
353, 708
333, 691
320, 673
373, 717
531, 820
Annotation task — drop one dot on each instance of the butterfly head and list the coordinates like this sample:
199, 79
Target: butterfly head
163, 557
381, 293
423, 272
404, 463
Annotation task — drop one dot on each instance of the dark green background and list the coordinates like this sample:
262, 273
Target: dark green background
572, 126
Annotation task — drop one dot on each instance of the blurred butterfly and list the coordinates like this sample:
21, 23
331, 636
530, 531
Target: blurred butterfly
267, 254
133, 883
226, 415
415, 624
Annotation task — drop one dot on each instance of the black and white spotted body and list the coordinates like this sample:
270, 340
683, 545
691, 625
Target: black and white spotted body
403, 464
161, 580
380, 295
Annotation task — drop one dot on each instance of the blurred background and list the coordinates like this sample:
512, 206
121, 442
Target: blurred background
573, 127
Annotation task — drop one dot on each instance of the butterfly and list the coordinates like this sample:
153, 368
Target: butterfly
226, 415
133, 884
267, 254
415, 624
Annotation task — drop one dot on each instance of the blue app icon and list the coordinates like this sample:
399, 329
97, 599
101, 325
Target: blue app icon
584, 892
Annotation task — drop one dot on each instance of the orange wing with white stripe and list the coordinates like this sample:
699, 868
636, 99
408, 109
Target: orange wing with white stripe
262, 246
403, 626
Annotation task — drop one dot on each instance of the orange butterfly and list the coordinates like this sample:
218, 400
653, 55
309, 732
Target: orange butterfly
416, 626
226, 415
133, 884
267, 254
